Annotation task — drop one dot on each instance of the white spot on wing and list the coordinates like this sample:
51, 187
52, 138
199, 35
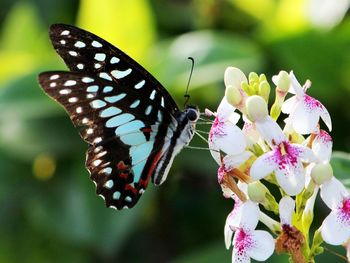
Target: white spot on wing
140, 84
97, 162
96, 44
162, 102
80, 66
73, 100
153, 94
110, 111
97, 104
79, 44
107, 170
128, 199
107, 89
63, 42
116, 195
97, 65
93, 88
98, 139
104, 75
70, 83
109, 184
87, 80
100, 56
114, 60
119, 74
53, 84
65, 33
73, 53
56, 76
65, 91
79, 110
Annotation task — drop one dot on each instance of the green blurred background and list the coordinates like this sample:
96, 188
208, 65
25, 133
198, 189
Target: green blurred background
48, 208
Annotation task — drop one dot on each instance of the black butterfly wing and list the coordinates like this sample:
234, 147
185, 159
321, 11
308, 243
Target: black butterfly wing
125, 117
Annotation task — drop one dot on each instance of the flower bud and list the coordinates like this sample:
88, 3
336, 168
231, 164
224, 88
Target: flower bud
256, 108
257, 192
233, 95
253, 78
234, 77
321, 173
282, 81
264, 90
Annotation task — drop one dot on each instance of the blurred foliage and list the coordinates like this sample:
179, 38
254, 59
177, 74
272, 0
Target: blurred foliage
48, 209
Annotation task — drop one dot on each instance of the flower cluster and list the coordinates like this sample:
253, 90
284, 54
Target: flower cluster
262, 155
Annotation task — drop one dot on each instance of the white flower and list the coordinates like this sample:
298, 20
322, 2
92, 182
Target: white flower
322, 146
286, 209
247, 242
305, 111
224, 135
335, 228
285, 159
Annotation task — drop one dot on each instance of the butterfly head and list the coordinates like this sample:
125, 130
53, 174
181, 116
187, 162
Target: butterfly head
192, 113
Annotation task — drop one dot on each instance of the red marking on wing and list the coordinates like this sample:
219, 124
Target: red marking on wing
146, 130
122, 166
129, 187
150, 171
123, 175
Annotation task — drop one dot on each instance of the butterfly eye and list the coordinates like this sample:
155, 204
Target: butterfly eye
192, 114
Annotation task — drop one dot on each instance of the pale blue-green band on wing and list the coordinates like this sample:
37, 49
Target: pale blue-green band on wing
132, 126
135, 104
138, 170
107, 89
140, 152
96, 104
128, 199
119, 74
100, 56
113, 99
148, 109
93, 88
119, 120
111, 111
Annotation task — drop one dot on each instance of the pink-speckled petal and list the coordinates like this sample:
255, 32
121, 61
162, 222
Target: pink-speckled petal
304, 153
286, 208
240, 256
322, 146
229, 228
333, 192
291, 178
289, 105
333, 230
263, 245
270, 131
231, 141
304, 119
263, 166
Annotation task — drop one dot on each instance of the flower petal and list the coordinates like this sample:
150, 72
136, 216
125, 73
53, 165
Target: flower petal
270, 131
305, 153
226, 111
291, 178
286, 209
263, 166
232, 141
289, 105
263, 247
333, 192
322, 146
296, 88
214, 151
240, 256
234, 161
304, 119
249, 215
333, 231
326, 117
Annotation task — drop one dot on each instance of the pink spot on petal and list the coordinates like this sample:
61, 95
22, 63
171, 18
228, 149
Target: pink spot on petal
344, 210
286, 155
324, 137
217, 128
221, 173
311, 103
243, 241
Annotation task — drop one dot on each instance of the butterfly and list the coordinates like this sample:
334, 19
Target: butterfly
132, 125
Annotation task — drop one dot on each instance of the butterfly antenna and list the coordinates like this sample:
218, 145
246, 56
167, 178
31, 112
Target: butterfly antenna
187, 96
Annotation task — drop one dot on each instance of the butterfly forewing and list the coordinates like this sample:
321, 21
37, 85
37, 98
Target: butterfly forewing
124, 113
